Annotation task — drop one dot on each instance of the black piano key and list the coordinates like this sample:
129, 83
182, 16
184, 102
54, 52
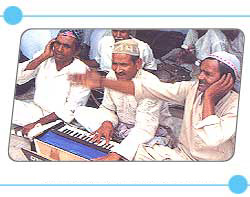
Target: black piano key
88, 139
70, 132
78, 136
102, 142
67, 132
110, 146
105, 145
84, 137
75, 134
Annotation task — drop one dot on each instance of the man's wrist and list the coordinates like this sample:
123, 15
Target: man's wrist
107, 124
102, 80
39, 121
208, 97
44, 57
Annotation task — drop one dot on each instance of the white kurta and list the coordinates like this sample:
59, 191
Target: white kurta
118, 107
104, 55
53, 92
212, 138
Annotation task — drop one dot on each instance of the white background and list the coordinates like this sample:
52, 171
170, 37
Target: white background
120, 172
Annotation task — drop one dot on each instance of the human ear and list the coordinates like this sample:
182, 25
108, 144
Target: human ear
139, 63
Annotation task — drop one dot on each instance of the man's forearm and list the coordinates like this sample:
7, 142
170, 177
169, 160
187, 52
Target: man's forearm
36, 62
47, 119
208, 107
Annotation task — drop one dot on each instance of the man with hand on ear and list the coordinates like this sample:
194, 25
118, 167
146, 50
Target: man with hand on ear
54, 96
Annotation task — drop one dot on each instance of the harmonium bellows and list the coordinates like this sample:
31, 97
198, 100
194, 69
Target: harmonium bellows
67, 143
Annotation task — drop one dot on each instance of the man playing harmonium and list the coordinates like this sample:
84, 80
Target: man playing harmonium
210, 114
121, 116
54, 96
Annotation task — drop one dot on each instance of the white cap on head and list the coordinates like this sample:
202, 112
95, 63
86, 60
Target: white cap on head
231, 61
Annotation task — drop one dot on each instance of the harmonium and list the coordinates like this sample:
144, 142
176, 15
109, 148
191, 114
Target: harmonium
59, 141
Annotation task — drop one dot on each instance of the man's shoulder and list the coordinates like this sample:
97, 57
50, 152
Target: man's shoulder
143, 74
78, 66
140, 42
106, 40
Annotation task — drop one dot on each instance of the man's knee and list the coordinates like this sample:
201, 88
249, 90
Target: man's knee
86, 116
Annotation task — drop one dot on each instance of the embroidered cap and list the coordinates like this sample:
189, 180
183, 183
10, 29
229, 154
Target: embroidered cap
128, 46
75, 33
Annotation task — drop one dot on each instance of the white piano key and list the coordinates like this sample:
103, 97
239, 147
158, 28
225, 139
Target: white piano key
102, 143
19, 133
13, 132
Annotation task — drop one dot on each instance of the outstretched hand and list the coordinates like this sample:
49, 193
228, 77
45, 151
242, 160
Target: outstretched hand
220, 87
91, 79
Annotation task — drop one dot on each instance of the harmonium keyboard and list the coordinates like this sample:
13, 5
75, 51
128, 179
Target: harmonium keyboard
64, 142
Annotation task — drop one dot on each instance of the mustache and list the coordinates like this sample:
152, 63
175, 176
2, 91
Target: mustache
118, 38
202, 82
58, 53
120, 73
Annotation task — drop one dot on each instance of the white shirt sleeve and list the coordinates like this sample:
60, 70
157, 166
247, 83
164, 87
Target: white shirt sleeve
176, 92
23, 75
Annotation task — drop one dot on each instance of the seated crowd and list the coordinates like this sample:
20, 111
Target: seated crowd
135, 110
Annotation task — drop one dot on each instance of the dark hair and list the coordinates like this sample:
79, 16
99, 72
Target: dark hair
134, 58
223, 68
